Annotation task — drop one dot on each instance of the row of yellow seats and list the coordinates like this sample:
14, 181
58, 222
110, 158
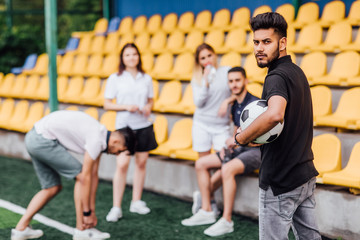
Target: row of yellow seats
69, 90
327, 160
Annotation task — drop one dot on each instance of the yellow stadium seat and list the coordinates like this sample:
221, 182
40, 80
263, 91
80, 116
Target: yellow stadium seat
147, 60
125, 26
180, 138
192, 41
309, 36
186, 105
111, 43
253, 72
187, 154
215, 38
249, 45
142, 41
124, 39
84, 45
182, 70
240, 19
91, 89
108, 120
321, 101
255, 89
314, 65
31, 87
74, 90
170, 95
163, 65
354, 14
7, 84
99, 99
41, 66
154, 24
99, 29
287, 10
79, 66
110, 65
333, 12
42, 92
327, 154
261, 9
349, 176
140, 25
175, 42
347, 112
203, 20
157, 43
186, 22
354, 46
231, 59
6, 111
1, 77
308, 13
346, 65
97, 45
18, 117
155, 84
93, 112
235, 40
339, 34
18, 86
36, 112
169, 23
94, 65
62, 84
221, 19
291, 33
64, 68
160, 129
72, 108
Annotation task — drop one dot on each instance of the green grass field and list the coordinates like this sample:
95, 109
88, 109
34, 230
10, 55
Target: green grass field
19, 183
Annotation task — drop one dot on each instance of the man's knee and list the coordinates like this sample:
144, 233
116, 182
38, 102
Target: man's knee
54, 190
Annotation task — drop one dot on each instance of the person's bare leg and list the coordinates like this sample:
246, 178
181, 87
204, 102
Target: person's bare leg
139, 174
119, 181
37, 202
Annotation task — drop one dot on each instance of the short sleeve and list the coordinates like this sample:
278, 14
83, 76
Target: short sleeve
275, 85
110, 88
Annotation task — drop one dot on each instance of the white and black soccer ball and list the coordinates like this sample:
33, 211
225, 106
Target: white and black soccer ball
251, 112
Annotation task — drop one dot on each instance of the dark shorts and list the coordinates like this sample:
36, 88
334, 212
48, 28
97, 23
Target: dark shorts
249, 156
145, 139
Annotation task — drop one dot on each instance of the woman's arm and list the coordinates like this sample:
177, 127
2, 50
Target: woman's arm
110, 106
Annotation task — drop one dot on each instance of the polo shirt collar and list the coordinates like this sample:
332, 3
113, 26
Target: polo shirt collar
138, 75
279, 61
107, 141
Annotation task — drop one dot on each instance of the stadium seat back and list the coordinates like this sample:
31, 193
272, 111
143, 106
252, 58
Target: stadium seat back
139, 24
175, 41
79, 66
241, 18
353, 165
314, 64
108, 120
163, 63
231, 59
97, 44
203, 20
147, 60
354, 13
180, 136
111, 43
94, 65
261, 9
41, 66
74, 90
349, 104
18, 117
154, 24
287, 10
62, 84
327, 153
124, 39
6, 110
142, 41
155, 84
339, 34
255, 89
91, 88
184, 63
101, 26
18, 86
93, 112
158, 42
346, 64
308, 13
36, 112
84, 44
221, 19
235, 39
125, 25
170, 94
110, 65
252, 69
310, 35
31, 87
42, 92
186, 22
169, 23
321, 100
66, 64
193, 40
215, 39
161, 129
7, 84
333, 12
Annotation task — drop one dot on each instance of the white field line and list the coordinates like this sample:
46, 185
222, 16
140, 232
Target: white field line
38, 217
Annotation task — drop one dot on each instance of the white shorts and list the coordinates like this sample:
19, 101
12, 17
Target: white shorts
205, 137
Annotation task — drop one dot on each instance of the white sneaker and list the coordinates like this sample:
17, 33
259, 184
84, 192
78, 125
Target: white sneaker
90, 234
27, 233
200, 218
114, 215
139, 207
196, 202
221, 227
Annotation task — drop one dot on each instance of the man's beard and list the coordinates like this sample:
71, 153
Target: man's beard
241, 91
274, 57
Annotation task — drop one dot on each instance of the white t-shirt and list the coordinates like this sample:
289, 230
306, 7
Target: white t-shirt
129, 90
76, 131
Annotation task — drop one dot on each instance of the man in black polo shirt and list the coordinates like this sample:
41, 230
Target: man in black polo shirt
287, 173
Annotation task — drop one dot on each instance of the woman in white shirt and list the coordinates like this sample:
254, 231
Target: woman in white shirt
133, 91
210, 88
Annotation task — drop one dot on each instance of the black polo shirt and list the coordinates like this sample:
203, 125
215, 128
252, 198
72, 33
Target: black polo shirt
287, 162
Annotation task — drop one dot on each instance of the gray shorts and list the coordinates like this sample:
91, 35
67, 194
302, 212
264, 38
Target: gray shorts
249, 156
50, 160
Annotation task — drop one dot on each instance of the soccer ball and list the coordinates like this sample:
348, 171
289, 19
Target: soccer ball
251, 112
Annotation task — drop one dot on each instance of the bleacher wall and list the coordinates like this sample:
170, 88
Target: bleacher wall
136, 8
